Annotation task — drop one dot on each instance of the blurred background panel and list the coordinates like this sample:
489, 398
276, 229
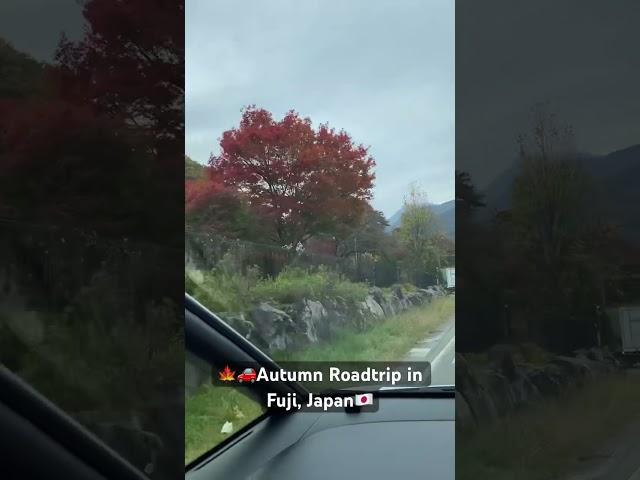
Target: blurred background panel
91, 216
548, 239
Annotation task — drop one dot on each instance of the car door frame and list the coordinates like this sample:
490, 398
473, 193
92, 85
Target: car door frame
40, 440
213, 340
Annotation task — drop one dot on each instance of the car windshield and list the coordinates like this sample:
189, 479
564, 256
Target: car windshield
317, 237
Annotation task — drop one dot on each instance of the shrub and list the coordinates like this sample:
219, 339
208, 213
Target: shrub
294, 284
222, 291
532, 353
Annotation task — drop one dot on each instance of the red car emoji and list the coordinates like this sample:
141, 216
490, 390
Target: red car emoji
248, 375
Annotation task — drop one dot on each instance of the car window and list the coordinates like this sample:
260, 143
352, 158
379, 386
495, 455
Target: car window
70, 328
212, 413
90, 222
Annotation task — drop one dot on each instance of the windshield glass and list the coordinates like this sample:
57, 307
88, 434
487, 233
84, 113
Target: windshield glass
318, 234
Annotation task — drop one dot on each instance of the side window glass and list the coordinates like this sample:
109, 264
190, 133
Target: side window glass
212, 413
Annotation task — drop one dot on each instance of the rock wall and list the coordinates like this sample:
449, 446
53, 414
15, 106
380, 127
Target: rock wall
504, 383
311, 322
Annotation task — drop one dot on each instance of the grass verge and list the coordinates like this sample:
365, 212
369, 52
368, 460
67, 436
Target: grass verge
548, 441
207, 411
389, 340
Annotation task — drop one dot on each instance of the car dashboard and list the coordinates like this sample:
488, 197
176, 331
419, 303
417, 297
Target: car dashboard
408, 437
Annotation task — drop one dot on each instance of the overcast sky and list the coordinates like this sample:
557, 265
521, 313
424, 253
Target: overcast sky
383, 71
582, 63
47, 21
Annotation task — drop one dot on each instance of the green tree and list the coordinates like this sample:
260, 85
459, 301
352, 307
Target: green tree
551, 196
193, 170
418, 234
557, 233
367, 236
367, 245
467, 198
20, 75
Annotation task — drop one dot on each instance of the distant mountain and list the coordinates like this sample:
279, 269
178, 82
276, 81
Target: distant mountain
616, 176
446, 213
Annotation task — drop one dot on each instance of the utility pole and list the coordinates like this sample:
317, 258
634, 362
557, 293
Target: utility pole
355, 247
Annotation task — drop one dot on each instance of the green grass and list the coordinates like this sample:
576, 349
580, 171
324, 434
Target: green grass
294, 284
547, 441
211, 407
220, 291
389, 340
233, 292
208, 410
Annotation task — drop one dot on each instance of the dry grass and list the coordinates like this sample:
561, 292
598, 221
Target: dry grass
547, 441
389, 340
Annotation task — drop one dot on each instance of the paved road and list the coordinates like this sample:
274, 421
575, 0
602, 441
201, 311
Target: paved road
439, 349
618, 458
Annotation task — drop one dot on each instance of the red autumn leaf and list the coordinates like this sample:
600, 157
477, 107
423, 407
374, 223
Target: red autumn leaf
303, 181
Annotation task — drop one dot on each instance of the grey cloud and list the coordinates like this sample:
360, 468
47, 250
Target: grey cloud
35, 26
383, 71
579, 56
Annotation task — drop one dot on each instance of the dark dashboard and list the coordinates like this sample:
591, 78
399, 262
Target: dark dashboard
407, 438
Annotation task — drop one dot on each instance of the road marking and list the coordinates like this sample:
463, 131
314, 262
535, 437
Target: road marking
419, 351
444, 349
635, 476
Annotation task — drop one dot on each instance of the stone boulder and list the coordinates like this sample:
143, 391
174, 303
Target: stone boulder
418, 298
522, 390
339, 316
499, 388
383, 300
372, 308
434, 291
508, 382
273, 328
504, 358
396, 305
469, 384
405, 304
598, 355
397, 291
574, 371
548, 381
312, 321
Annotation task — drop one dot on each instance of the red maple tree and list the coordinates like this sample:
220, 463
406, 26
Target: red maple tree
202, 191
130, 64
96, 139
218, 208
302, 181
